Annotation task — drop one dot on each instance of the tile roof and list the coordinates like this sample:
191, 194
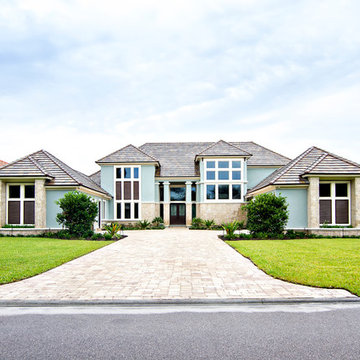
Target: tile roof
127, 154
178, 158
223, 148
44, 164
311, 162
96, 177
2, 163
262, 156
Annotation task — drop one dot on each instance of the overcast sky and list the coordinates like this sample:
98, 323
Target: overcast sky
84, 78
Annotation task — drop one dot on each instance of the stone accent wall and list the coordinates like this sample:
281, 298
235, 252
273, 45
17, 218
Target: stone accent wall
313, 203
221, 212
355, 202
338, 232
40, 204
149, 211
166, 214
2, 203
188, 214
25, 232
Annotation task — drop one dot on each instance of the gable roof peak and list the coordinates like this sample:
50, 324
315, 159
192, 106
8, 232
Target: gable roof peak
127, 154
222, 147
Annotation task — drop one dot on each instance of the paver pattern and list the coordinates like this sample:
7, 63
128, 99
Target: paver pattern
164, 264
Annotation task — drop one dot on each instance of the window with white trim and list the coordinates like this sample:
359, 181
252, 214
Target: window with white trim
334, 200
224, 180
21, 204
127, 193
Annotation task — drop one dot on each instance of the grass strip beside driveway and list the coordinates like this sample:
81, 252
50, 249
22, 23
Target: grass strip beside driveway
21, 258
328, 263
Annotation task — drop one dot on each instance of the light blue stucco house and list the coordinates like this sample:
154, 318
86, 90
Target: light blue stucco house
180, 181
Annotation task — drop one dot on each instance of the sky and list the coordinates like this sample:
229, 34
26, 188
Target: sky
84, 78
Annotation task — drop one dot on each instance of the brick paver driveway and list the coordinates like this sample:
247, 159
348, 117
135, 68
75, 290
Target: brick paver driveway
165, 264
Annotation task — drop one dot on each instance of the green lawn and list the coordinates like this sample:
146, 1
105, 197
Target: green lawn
21, 258
330, 263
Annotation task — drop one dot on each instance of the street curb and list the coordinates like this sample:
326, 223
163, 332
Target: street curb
174, 302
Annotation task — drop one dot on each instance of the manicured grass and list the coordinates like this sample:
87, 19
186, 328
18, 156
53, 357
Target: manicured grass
330, 263
21, 258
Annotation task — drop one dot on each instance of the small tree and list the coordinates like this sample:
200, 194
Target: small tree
267, 213
78, 213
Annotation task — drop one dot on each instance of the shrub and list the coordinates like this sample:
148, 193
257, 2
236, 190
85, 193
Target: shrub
197, 223
157, 221
143, 225
209, 224
107, 236
78, 213
97, 237
267, 213
230, 229
113, 228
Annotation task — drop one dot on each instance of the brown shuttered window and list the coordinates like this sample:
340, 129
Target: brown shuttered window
136, 190
342, 211
29, 212
14, 212
325, 211
127, 190
118, 190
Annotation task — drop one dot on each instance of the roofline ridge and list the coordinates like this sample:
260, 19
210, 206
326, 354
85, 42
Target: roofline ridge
36, 163
264, 147
217, 142
235, 146
138, 148
316, 162
291, 164
55, 160
212, 144
340, 157
79, 182
124, 147
112, 153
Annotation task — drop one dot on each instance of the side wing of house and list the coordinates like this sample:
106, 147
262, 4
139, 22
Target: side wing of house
30, 187
320, 188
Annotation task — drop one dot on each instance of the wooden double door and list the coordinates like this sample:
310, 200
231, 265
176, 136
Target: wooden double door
177, 214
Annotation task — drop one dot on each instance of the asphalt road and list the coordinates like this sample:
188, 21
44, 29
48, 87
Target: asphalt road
182, 332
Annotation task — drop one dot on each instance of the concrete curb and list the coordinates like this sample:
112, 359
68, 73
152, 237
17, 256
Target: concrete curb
131, 303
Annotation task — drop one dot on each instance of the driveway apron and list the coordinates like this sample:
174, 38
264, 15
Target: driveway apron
160, 264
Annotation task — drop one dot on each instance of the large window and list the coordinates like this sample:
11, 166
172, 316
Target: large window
334, 203
224, 180
21, 204
127, 193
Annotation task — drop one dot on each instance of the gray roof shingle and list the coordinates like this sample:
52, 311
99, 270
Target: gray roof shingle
96, 177
312, 161
223, 148
44, 164
127, 154
178, 158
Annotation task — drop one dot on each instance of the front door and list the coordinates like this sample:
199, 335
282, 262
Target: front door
177, 214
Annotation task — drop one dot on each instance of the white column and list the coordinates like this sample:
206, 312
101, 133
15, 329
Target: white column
188, 203
313, 203
40, 204
166, 203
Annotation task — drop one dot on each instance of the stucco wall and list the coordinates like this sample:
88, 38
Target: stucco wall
107, 183
297, 200
220, 212
52, 209
255, 175
148, 183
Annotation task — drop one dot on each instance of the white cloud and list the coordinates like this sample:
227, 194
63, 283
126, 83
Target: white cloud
83, 78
